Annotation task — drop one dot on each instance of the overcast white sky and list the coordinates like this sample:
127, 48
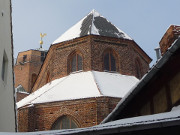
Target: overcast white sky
143, 20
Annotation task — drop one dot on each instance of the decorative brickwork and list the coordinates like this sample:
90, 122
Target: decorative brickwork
92, 49
86, 112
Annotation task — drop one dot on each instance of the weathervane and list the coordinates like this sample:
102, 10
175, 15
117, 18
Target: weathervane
41, 41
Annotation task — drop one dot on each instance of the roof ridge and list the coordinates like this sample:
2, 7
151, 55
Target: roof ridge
94, 23
91, 22
94, 78
30, 102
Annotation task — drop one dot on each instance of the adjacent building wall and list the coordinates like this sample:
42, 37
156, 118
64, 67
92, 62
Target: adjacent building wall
160, 94
7, 101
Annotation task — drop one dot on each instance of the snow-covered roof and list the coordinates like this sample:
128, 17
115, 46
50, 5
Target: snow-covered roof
81, 85
92, 24
20, 89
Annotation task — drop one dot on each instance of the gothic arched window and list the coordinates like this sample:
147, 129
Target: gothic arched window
75, 62
64, 122
109, 61
138, 69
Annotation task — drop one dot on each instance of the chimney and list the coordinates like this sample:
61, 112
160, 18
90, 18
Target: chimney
158, 55
169, 37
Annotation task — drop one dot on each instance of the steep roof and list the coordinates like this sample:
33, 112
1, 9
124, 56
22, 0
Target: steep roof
92, 24
81, 85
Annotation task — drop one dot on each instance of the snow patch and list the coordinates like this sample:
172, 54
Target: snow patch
176, 108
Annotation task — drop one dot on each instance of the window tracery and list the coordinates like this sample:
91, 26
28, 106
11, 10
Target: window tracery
75, 62
109, 61
64, 122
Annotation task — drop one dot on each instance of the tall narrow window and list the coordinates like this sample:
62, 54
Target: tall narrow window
109, 62
75, 63
24, 58
64, 122
4, 67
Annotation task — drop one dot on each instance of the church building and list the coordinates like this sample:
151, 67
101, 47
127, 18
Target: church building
26, 70
86, 72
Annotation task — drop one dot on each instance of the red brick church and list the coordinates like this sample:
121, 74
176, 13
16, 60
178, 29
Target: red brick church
87, 70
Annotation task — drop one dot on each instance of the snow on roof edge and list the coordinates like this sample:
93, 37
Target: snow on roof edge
103, 91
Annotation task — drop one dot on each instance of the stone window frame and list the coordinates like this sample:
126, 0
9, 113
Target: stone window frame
73, 54
110, 52
59, 122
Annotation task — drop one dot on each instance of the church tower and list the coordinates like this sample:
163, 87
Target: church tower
86, 72
27, 68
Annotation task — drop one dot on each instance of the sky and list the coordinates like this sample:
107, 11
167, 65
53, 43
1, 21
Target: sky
145, 21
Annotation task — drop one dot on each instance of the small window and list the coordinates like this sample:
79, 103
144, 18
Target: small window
24, 58
109, 62
64, 122
75, 63
4, 67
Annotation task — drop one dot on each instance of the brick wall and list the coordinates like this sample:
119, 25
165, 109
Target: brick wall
24, 69
169, 37
20, 95
87, 112
22, 118
92, 49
